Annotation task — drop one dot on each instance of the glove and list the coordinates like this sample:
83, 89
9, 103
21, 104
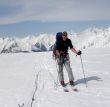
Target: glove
79, 52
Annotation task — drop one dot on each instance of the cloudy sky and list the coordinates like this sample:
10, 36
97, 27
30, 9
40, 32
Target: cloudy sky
23, 17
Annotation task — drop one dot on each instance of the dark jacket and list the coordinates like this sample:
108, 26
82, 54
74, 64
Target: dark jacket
63, 46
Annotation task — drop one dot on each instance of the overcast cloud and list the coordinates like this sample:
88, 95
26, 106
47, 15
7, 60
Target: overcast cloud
13, 11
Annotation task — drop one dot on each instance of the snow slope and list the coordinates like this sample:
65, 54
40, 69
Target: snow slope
92, 37
22, 74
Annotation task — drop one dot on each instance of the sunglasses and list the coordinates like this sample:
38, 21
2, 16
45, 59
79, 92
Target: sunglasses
64, 35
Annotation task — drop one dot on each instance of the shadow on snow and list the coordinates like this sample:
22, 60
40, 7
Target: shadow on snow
81, 81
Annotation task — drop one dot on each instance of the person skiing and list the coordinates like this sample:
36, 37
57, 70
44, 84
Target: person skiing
62, 57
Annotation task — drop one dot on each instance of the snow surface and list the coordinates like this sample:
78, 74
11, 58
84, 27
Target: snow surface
92, 37
23, 74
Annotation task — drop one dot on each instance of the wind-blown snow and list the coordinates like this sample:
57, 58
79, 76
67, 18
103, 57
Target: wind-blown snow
92, 37
22, 73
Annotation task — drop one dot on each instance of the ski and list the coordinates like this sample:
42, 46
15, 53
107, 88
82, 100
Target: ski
65, 89
74, 89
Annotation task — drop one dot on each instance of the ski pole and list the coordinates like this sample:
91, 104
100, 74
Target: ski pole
83, 71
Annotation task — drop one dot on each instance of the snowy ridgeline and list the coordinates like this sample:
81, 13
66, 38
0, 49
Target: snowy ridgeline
92, 37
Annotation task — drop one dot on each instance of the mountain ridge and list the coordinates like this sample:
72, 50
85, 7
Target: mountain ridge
91, 37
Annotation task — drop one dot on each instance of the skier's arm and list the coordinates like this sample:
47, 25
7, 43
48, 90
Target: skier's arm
77, 52
74, 50
57, 53
57, 49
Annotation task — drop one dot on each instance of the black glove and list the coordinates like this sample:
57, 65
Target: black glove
79, 52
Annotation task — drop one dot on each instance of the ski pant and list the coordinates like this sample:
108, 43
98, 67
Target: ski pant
64, 61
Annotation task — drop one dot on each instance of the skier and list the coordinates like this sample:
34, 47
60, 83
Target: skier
62, 57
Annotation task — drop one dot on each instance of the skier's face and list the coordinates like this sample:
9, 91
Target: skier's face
64, 37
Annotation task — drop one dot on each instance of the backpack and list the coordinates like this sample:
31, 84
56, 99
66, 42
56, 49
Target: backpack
59, 36
58, 39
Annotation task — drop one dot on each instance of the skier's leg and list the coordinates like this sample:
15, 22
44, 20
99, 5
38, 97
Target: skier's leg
60, 71
69, 70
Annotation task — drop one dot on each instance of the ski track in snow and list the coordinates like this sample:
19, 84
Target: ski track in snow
28, 76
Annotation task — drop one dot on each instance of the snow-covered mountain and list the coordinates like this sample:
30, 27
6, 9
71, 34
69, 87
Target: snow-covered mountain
30, 43
92, 37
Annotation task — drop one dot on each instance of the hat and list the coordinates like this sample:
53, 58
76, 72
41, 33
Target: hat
65, 33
